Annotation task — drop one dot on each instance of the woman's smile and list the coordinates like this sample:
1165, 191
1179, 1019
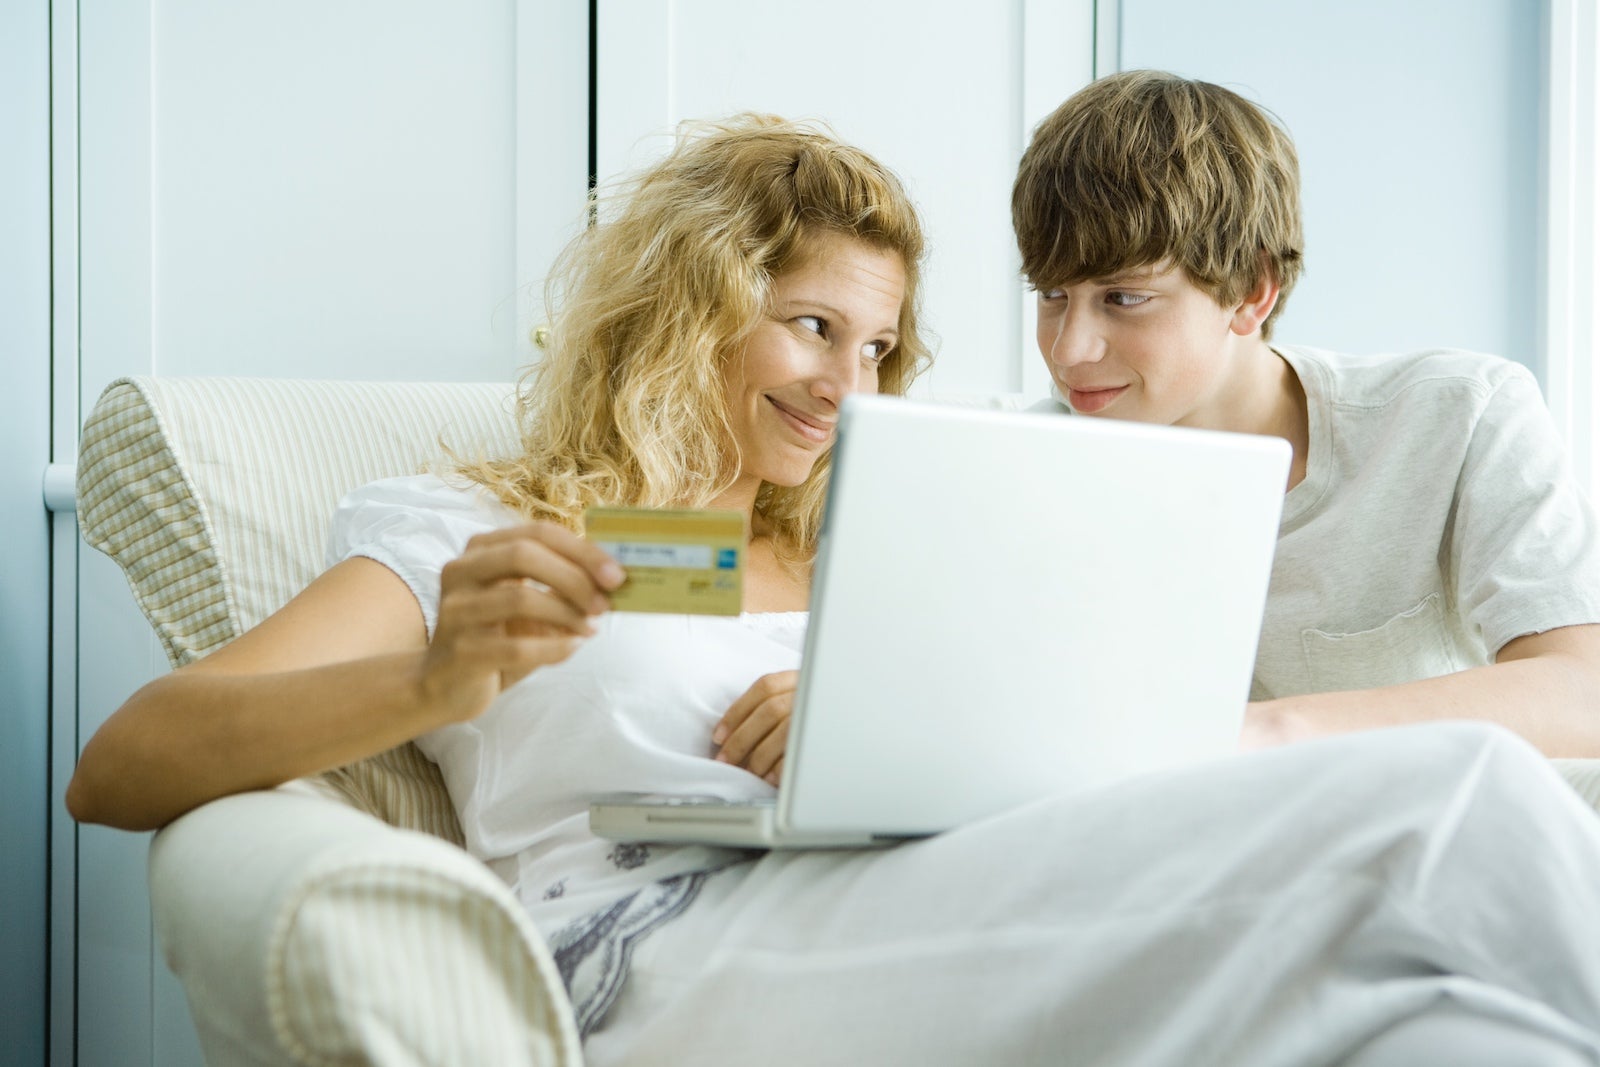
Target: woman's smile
830, 319
811, 427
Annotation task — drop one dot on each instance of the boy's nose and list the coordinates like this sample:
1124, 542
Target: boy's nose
1074, 343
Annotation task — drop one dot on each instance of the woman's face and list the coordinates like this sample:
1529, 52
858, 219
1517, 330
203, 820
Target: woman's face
831, 321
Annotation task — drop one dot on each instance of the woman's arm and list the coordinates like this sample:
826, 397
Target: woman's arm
343, 671
1545, 687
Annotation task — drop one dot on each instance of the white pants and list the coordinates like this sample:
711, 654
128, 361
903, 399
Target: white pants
1347, 900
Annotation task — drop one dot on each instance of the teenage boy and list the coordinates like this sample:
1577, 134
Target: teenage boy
1435, 560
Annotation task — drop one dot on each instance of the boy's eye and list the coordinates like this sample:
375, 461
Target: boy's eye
1052, 294
1125, 300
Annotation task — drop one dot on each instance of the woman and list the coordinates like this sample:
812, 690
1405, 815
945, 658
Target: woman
704, 342
1259, 912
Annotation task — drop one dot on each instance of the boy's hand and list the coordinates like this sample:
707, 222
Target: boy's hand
755, 731
1271, 723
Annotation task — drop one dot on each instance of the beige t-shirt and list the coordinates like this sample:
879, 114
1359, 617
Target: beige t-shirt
1437, 521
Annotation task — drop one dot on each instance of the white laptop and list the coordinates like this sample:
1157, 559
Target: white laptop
1005, 606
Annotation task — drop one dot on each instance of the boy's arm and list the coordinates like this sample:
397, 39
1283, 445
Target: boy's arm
1544, 686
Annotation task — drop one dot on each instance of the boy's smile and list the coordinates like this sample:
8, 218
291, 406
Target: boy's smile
1089, 401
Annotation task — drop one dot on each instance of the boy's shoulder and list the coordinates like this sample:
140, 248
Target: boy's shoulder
1379, 379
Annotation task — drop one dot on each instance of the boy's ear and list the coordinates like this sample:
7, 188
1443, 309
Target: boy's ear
1257, 305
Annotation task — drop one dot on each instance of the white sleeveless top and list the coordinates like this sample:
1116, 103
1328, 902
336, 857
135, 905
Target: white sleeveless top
631, 710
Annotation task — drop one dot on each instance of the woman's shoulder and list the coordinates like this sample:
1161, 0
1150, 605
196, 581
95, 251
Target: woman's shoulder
426, 491
430, 514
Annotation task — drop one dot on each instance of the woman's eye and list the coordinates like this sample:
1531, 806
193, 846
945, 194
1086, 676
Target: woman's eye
874, 352
1125, 300
813, 324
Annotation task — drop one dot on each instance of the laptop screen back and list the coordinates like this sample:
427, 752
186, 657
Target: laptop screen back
1008, 605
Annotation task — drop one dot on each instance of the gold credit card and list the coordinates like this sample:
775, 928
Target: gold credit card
679, 561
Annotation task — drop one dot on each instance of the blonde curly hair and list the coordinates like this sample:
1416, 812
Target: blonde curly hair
628, 405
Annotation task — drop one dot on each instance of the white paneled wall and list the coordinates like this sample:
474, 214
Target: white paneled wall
325, 190
294, 188
1448, 159
1418, 130
943, 91
25, 819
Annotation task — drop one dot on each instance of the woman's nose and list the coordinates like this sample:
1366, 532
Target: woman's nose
839, 376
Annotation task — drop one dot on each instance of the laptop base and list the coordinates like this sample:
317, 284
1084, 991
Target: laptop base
656, 819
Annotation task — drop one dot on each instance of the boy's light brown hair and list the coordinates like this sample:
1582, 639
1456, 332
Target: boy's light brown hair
1143, 168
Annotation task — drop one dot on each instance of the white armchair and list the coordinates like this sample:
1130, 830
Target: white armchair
334, 920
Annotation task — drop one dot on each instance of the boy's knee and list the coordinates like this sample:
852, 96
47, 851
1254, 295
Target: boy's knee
1461, 765
1448, 743
1491, 743
1450, 1034
1430, 762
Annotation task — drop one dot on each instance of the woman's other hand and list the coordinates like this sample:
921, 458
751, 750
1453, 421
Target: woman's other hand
755, 731
515, 600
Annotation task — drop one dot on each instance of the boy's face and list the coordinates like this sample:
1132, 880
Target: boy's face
1147, 346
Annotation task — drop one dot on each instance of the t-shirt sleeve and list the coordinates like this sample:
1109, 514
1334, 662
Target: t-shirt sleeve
413, 526
1525, 548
